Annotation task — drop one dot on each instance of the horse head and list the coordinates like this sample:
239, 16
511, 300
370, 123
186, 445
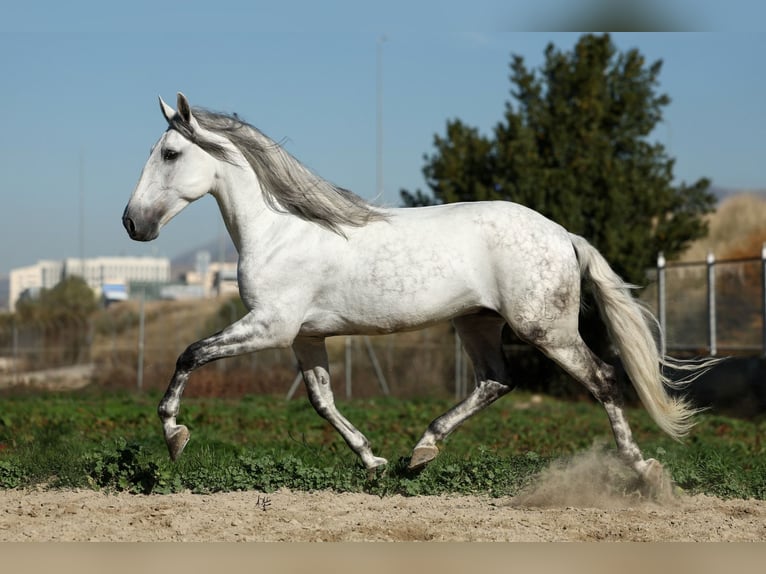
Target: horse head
177, 173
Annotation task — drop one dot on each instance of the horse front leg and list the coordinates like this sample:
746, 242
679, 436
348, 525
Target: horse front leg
251, 333
312, 356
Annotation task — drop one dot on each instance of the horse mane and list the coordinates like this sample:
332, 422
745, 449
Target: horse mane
288, 186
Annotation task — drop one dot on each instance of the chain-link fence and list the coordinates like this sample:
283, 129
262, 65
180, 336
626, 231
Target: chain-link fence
134, 345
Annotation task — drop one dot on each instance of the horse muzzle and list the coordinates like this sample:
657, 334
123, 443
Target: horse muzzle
137, 230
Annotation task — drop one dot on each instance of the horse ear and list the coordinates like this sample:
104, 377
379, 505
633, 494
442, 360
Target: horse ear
184, 109
167, 111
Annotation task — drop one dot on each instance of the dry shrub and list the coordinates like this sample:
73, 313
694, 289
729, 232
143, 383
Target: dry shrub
737, 222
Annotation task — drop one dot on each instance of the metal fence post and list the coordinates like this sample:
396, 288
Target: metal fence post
376, 366
712, 344
348, 367
458, 367
15, 359
661, 317
140, 366
294, 387
763, 300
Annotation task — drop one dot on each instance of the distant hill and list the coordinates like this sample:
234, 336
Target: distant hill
723, 193
739, 223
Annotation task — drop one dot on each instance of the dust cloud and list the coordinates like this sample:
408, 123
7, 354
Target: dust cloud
595, 478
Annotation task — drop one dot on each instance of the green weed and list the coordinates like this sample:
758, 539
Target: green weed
263, 443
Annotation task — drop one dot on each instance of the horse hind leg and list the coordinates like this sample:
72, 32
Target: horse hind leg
481, 337
312, 356
599, 378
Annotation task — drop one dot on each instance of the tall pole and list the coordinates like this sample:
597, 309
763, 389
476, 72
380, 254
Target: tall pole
711, 315
661, 313
348, 367
81, 238
221, 245
15, 343
379, 120
458, 367
140, 365
763, 299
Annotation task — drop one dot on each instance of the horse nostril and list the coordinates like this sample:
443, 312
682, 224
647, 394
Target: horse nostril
129, 226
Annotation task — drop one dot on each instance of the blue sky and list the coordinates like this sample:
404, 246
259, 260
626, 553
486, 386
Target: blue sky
80, 82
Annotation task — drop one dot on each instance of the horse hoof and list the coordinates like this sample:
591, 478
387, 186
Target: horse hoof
377, 462
378, 466
176, 441
659, 486
421, 456
653, 473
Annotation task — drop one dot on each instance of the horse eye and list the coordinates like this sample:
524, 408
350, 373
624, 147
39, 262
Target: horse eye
170, 155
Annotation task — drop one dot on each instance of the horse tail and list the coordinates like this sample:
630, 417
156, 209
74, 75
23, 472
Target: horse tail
629, 324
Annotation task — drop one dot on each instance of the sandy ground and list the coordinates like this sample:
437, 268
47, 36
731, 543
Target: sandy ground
590, 498
327, 516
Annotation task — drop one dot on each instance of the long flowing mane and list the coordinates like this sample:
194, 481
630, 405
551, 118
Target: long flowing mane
288, 185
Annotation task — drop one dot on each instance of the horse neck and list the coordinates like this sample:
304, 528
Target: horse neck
248, 219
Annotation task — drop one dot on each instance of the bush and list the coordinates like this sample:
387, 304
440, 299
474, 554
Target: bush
127, 467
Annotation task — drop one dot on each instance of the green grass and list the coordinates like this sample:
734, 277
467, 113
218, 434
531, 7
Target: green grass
114, 441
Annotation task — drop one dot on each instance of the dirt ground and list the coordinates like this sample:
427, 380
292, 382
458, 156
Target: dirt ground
326, 516
591, 498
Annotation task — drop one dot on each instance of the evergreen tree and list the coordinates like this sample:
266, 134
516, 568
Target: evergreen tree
574, 144
70, 302
62, 316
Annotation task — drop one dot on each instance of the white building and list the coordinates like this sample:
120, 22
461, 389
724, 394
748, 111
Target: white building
96, 271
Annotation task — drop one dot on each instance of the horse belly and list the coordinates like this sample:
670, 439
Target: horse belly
362, 316
401, 311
